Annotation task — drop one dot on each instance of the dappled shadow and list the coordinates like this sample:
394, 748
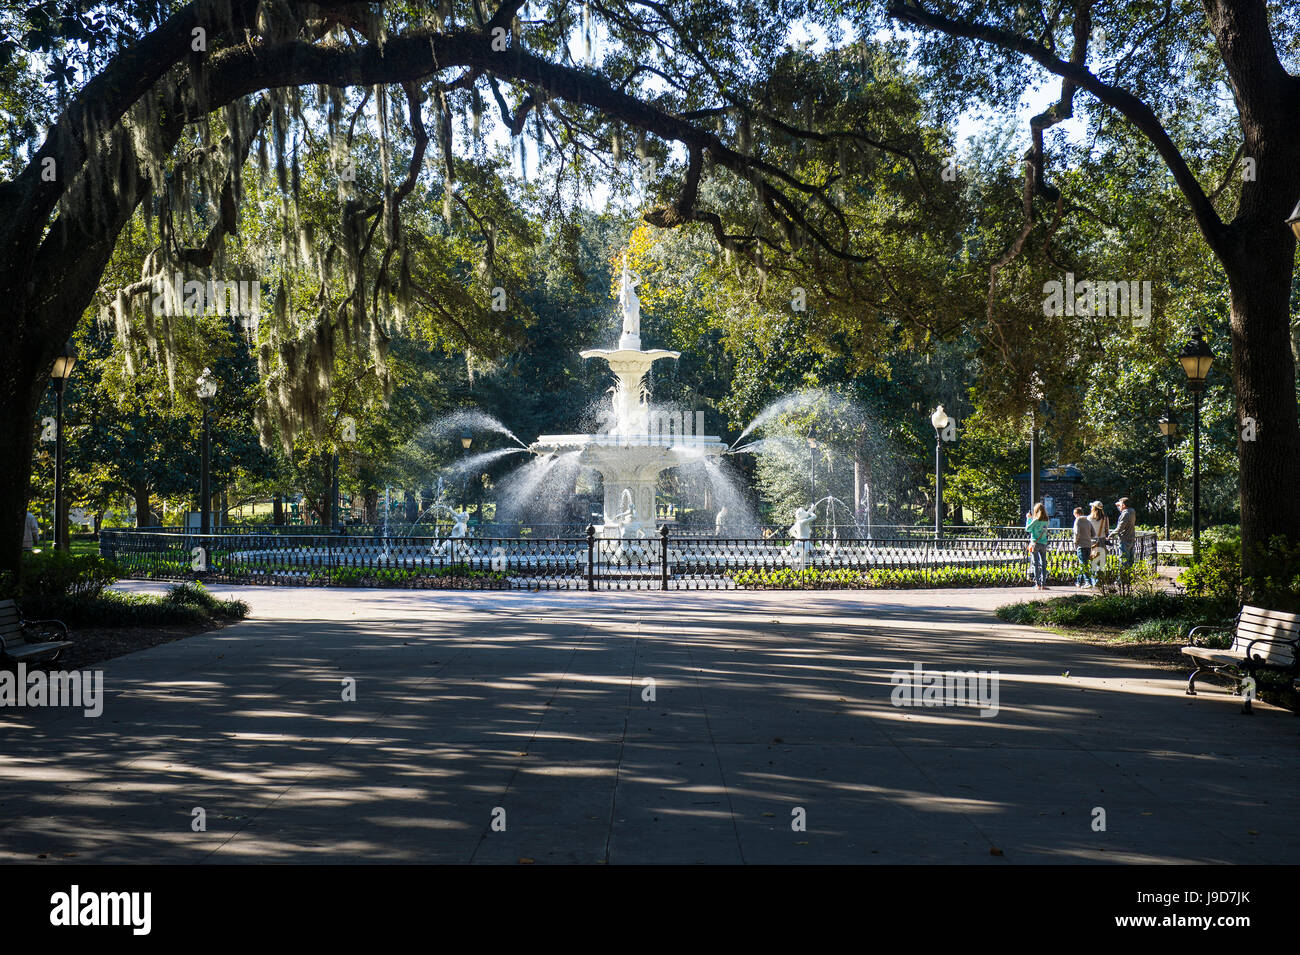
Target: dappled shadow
762, 707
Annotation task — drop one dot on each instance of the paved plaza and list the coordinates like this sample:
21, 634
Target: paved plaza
532, 710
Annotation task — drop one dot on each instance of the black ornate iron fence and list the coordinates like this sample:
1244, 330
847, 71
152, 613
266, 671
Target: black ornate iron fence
660, 562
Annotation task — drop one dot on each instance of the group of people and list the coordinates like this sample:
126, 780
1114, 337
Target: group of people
1092, 540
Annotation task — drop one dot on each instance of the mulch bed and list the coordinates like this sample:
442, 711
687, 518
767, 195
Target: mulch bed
95, 645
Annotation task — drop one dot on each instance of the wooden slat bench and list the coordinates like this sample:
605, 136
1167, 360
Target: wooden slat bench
1261, 640
1178, 548
29, 641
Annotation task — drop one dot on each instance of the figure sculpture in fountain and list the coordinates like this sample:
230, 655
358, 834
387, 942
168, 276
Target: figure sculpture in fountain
802, 531
720, 522
459, 531
631, 306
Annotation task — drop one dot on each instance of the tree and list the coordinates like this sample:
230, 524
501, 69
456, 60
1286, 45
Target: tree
143, 125
987, 50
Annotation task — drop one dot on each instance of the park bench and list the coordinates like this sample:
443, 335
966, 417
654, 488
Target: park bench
1177, 548
34, 641
1261, 640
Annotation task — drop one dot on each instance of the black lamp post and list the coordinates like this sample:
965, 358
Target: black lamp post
939, 418
1169, 428
1196, 359
812, 465
59, 375
1294, 220
466, 439
205, 387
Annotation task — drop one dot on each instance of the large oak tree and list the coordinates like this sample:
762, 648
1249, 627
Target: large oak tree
1143, 65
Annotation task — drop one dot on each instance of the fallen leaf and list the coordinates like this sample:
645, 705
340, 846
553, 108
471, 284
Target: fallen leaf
995, 851
524, 860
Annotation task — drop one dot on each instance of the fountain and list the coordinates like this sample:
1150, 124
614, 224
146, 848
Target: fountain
640, 445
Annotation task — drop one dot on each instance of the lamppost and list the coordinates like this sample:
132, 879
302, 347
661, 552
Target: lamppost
812, 463
60, 374
466, 439
939, 418
1196, 359
205, 387
1169, 428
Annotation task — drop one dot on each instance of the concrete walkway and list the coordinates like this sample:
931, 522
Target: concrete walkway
764, 704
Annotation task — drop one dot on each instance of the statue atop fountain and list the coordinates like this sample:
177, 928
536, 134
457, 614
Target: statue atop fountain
628, 301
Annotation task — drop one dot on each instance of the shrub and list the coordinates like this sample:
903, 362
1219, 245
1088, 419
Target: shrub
182, 604
1217, 574
54, 575
1082, 610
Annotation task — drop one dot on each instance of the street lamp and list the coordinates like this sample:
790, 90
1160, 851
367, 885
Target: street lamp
466, 439
1294, 220
59, 375
1169, 428
939, 418
205, 387
812, 464
1196, 359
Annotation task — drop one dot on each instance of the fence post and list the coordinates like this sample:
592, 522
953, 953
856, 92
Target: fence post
591, 556
663, 557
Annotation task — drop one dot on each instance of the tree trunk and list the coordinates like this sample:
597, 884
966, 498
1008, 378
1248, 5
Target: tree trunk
1260, 278
143, 516
277, 510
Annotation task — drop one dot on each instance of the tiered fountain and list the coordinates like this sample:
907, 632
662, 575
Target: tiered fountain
639, 446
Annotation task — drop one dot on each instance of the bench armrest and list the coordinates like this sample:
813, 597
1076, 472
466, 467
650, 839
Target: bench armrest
1291, 643
1208, 628
47, 629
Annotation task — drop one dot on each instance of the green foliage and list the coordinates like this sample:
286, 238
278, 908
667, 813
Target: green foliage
1218, 575
53, 575
187, 604
400, 576
1083, 610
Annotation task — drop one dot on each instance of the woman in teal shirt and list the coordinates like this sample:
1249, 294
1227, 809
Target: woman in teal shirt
1037, 528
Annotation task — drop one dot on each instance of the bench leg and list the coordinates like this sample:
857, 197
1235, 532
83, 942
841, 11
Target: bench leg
1191, 681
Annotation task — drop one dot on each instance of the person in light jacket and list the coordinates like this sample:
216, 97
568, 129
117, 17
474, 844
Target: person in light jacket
1100, 538
1083, 547
1126, 531
31, 531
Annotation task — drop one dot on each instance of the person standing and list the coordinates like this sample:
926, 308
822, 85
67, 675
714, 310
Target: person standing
1082, 547
1037, 528
1126, 531
31, 531
1100, 538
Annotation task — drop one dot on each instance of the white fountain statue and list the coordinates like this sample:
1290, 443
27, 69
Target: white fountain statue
802, 531
630, 304
632, 454
459, 531
720, 521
